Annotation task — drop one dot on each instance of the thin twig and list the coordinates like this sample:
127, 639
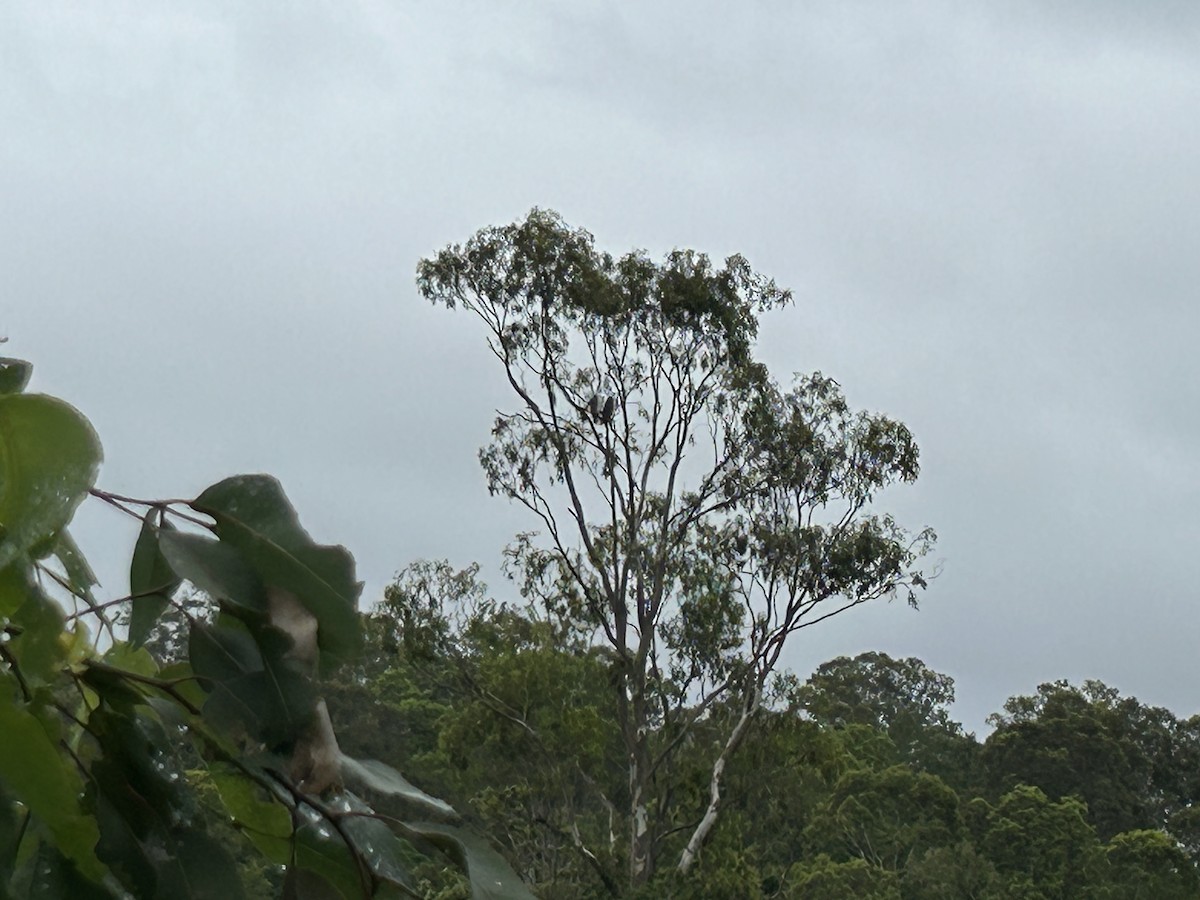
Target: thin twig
7, 656
92, 605
95, 608
366, 877
166, 686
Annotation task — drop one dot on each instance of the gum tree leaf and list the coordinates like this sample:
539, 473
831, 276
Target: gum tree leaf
387, 856
120, 847
320, 850
79, 573
305, 884
491, 878
49, 458
383, 779
16, 586
253, 514
215, 567
38, 647
274, 713
220, 652
262, 695
151, 576
260, 817
32, 769
198, 868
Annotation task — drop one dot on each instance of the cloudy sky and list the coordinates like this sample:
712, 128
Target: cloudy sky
210, 214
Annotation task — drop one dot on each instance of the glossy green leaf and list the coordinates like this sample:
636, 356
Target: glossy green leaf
49, 457
120, 848
33, 770
79, 573
321, 850
14, 374
215, 567
124, 655
374, 842
183, 679
490, 875
274, 713
151, 579
253, 514
293, 696
197, 868
16, 586
261, 695
136, 771
263, 819
383, 779
112, 687
38, 647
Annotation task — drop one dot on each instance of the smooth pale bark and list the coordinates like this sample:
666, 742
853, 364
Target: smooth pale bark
688, 858
316, 759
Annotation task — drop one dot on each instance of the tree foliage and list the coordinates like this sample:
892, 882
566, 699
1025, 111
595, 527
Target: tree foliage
516, 730
212, 770
693, 513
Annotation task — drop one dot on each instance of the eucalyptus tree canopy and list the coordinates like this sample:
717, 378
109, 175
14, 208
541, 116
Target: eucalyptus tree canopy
692, 513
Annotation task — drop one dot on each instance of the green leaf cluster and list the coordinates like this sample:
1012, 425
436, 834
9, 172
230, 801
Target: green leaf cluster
123, 774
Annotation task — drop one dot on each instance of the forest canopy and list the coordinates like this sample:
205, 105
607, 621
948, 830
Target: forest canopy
619, 721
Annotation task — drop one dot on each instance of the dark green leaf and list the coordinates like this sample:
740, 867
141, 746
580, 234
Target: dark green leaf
49, 457
14, 374
253, 514
305, 884
125, 656
321, 850
215, 567
12, 823
79, 574
38, 647
374, 842
54, 877
222, 652
136, 772
198, 868
383, 779
112, 687
260, 693
120, 848
274, 712
490, 876
16, 587
151, 577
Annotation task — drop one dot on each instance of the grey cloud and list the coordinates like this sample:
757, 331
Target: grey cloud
213, 212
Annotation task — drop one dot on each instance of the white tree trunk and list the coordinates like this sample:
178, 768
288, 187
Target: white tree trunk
688, 858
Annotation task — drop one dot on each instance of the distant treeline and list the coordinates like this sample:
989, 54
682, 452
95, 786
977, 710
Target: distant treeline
854, 782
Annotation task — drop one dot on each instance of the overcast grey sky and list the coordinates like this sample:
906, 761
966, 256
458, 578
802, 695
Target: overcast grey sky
210, 214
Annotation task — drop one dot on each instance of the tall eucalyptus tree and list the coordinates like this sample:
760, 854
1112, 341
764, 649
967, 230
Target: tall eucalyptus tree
692, 513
